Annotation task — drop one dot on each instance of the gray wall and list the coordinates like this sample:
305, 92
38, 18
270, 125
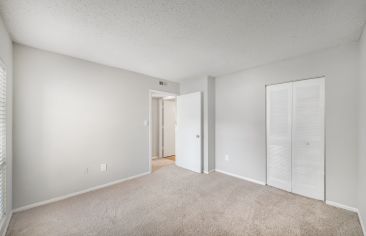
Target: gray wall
155, 126
70, 115
6, 56
240, 117
211, 122
205, 85
362, 132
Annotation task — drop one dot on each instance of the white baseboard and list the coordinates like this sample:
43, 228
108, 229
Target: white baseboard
241, 177
56, 199
349, 208
155, 157
208, 172
361, 222
6, 222
339, 205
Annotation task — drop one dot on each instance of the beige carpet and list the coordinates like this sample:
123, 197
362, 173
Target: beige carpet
174, 201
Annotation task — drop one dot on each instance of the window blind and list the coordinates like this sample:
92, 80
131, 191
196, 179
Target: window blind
2, 140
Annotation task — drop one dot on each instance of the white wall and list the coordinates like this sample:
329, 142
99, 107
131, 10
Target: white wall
155, 126
240, 117
206, 85
6, 56
362, 131
70, 115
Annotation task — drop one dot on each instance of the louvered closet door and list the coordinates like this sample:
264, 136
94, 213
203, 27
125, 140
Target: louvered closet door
279, 112
308, 138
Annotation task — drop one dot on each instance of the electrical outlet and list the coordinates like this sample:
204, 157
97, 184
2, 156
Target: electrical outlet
103, 167
226, 157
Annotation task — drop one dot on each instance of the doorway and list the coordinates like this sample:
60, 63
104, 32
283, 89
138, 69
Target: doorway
162, 130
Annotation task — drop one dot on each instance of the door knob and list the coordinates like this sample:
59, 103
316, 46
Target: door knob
197, 136
307, 143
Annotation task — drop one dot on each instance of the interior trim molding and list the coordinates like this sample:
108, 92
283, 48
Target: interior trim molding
56, 199
6, 222
241, 177
339, 205
361, 222
208, 172
349, 208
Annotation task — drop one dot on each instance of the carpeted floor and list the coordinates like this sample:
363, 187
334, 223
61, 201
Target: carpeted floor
174, 201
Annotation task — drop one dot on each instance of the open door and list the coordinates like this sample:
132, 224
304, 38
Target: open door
188, 132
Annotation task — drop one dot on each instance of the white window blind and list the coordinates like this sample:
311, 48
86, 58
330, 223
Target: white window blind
2, 140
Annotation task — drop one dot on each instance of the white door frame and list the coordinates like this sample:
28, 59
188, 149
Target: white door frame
325, 133
151, 91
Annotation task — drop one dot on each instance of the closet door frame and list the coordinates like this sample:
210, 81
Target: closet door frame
325, 133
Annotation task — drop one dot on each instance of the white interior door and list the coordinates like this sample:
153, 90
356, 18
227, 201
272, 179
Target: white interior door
169, 114
188, 132
308, 138
279, 117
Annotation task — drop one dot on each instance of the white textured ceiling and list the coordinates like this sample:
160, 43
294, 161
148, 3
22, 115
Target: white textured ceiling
177, 39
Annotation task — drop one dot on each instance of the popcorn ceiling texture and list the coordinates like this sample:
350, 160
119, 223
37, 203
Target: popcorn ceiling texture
174, 39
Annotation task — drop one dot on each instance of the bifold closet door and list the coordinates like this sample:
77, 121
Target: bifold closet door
308, 138
279, 118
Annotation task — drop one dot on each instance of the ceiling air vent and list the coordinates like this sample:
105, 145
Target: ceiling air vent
162, 83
